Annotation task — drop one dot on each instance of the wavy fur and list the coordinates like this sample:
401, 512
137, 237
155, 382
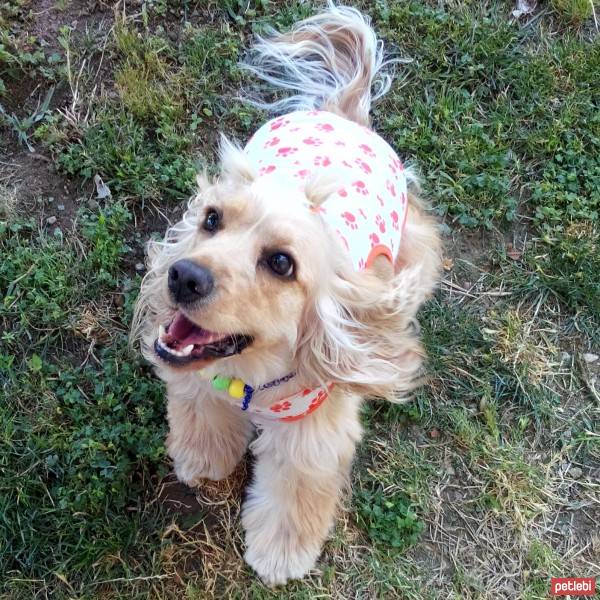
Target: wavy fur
332, 61
331, 324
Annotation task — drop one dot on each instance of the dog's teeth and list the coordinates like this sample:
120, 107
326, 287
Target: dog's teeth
182, 353
168, 349
161, 331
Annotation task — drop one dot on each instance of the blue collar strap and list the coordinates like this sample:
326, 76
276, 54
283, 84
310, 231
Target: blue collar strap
240, 390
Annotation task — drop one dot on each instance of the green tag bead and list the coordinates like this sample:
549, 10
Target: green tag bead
221, 383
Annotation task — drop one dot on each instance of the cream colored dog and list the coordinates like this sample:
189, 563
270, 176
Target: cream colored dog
268, 320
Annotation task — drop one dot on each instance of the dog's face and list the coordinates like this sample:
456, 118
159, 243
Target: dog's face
247, 267
251, 275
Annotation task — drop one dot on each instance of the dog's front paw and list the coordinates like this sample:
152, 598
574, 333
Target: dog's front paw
192, 472
279, 563
191, 465
275, 549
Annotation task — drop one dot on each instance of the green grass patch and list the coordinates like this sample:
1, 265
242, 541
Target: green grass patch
391, 499
491, 355
501, 120
82, 440
388, 519
573, 11
143, 142
500, 126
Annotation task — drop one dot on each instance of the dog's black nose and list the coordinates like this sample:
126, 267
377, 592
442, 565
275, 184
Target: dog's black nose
189, 281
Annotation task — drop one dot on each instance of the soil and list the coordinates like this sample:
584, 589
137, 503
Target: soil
81, 15
204, 503
180, 500
44, 193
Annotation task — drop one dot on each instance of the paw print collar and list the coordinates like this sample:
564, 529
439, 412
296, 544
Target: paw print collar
286, 409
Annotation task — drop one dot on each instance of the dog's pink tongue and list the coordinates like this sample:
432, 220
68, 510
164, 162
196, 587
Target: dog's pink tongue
183, 332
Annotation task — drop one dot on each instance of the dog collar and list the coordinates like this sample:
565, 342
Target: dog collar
287, 409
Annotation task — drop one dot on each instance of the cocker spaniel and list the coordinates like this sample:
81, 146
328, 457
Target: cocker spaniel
288, 292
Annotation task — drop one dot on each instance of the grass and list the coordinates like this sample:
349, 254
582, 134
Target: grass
574, 11
77, 437
466, 492
144, 139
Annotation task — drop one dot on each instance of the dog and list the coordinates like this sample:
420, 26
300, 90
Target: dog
288, 292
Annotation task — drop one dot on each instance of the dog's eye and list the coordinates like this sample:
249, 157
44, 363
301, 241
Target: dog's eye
281, 264
212, 220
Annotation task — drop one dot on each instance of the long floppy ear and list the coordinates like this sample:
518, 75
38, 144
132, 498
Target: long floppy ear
360, 333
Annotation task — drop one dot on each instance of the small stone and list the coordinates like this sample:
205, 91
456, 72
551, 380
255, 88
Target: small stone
139, 266
565, 357
51, 220
590, 358
102, 190
575, 473
434, 433
510, 589
92, 204
50, 199
512, 252
60, 206
449, 469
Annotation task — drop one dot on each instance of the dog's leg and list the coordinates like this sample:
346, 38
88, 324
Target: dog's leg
207, 437
300, 471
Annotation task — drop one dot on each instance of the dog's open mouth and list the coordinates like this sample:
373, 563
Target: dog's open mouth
183, 342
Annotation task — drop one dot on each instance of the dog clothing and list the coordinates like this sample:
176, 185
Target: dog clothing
289, 408
293, 407
368, 210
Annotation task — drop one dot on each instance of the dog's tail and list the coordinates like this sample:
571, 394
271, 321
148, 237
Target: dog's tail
332, 61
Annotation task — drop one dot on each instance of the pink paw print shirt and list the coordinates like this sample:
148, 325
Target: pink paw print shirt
368, 209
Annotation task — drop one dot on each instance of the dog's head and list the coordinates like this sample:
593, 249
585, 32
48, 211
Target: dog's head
252, 278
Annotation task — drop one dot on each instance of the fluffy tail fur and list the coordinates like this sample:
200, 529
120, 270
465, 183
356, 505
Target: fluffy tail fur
332, 61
